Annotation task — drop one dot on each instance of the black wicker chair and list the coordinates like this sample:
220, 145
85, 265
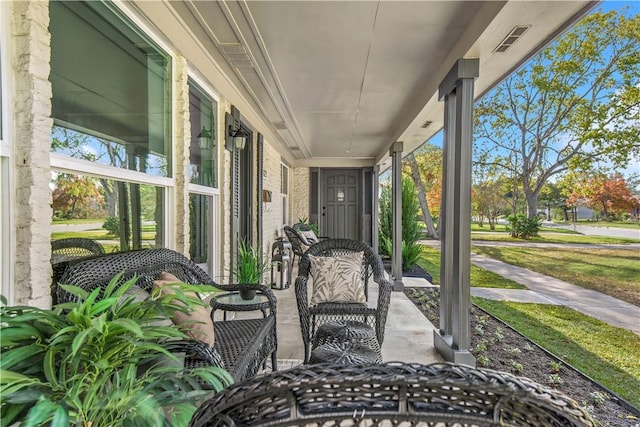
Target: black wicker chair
72, 248
299, 243
243, 346
390, 394
312, 316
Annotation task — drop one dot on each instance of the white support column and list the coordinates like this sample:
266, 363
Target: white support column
452, 339
396, 234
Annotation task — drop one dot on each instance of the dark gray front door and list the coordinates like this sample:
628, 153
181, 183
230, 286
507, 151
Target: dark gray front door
340, 207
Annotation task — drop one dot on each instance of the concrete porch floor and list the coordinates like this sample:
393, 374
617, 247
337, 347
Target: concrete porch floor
408, 333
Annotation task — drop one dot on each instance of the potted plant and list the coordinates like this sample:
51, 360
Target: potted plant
105, 362
250, 267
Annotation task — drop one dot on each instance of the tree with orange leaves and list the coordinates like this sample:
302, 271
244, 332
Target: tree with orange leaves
606, 194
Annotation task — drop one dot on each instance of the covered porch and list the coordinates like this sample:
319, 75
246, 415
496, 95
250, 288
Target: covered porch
240, 117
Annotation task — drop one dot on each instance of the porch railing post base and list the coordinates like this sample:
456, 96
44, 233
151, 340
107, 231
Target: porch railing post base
444, 345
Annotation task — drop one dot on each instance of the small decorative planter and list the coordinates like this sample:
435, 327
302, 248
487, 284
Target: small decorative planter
247, 294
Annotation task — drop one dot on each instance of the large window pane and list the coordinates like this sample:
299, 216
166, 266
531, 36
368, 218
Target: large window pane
111, 89
203, 158
121, 216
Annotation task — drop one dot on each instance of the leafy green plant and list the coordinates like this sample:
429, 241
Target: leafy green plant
314, 227
250, 266
555, 367
522, 227
104, 362
112, 225
598, 398
555, 380
483, 360
517, 367
514, 351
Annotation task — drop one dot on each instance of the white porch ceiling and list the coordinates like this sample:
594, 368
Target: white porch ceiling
337, 82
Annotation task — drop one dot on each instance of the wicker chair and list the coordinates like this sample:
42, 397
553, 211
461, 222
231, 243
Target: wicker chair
72, 248
390, 394
75, 247
241, 346
299, 243
312, 316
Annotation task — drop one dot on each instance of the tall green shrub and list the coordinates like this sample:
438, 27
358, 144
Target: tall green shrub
410, 227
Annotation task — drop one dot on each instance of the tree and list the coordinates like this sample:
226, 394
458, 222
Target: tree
609, 195
411, 250
488, 201
576, 101
76, 196
551, 198
425, 168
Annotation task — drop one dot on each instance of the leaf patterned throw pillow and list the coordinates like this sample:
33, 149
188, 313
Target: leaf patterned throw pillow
337, 279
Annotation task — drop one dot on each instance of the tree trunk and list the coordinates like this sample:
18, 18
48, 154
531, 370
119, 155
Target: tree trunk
532, 204
422, 198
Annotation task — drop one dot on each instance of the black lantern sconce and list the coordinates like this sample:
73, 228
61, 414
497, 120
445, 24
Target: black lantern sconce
236, 136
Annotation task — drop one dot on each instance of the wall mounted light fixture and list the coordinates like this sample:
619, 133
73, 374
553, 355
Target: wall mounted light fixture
236, 136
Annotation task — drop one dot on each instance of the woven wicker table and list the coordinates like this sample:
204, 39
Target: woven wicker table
345, 342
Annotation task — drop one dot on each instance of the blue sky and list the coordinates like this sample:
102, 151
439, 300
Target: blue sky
633, 8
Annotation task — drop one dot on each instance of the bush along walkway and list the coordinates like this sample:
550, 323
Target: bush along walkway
548, 290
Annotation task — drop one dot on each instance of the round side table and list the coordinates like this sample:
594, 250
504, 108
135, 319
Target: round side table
233, 302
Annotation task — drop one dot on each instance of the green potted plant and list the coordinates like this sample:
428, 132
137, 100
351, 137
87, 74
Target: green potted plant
105, 362
249, 269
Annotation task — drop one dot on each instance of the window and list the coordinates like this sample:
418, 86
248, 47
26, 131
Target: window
203, 158
112, 135
121, 215
111, 90
203, 178
284, 184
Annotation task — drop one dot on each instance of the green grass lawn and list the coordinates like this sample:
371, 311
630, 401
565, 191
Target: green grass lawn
79, 221
502, 228
615, 272
430, 261
605, 353
632, 225
545, 237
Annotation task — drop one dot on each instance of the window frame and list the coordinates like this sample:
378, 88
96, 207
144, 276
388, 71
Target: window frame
66, 164
6, 165
212, 193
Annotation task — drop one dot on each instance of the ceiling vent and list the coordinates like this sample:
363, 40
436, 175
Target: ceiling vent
236, 54
295, 148
511, 38
426, 124
280, 125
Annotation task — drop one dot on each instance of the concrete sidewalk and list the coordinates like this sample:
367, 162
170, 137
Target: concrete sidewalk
548, 290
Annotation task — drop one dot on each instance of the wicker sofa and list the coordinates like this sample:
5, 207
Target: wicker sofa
390, 394
241, 346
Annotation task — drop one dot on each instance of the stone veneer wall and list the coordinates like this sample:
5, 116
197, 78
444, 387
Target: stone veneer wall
272, 217
225, 195
182, 135
32, 135
299, 182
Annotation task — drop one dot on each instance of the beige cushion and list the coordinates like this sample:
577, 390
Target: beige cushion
337, 279
197, 322
309, 236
